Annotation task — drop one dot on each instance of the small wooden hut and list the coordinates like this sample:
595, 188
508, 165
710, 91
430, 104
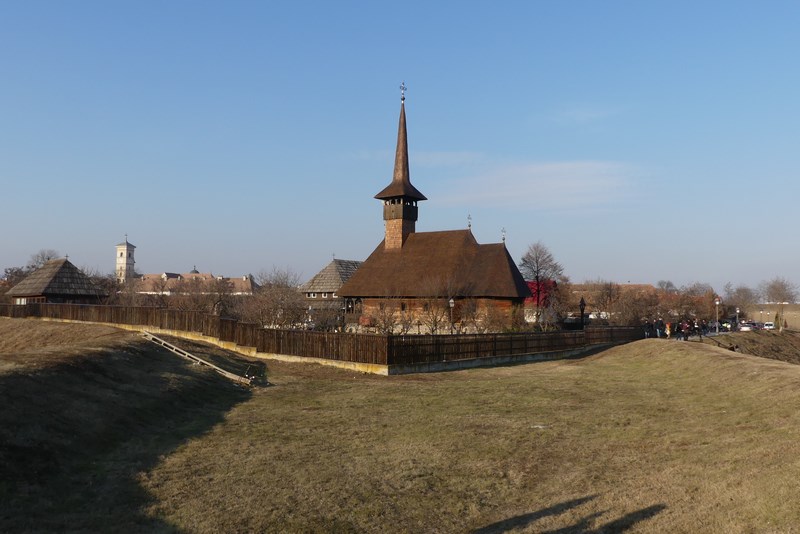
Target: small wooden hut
57, 281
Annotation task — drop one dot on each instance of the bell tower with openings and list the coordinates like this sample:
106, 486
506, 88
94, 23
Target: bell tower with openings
400, 198
125, 261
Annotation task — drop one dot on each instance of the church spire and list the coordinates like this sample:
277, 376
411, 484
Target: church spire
400, 197
401, 180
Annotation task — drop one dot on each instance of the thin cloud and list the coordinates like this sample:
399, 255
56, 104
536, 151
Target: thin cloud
548, 186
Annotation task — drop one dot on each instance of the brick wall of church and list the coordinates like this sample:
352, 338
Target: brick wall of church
397, 231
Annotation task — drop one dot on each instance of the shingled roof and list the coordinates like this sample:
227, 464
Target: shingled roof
57, 278
438, 264
401, 180
331, 278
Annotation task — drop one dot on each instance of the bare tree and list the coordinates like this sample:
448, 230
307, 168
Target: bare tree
696, 300
221, 298
741, 297
159, 287
14, 275
192, 295
539, 265
436, 314
130, 294
106, 282
386, 316
40, 258
560, 302
603, 296
277, 303
405, 322
633, 307
11, 277
473, 317
666, 286
779, 290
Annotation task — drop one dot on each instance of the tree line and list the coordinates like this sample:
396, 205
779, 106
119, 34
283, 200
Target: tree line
617, 304
277, 302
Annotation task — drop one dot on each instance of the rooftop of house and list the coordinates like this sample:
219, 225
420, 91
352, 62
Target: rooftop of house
57, 277
438, 264
168, 282
332, 277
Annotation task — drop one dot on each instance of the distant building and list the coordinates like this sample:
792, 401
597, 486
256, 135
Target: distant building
325, 285
168, 283
323, 288
413, 272
57, 281
125, 262
176, 283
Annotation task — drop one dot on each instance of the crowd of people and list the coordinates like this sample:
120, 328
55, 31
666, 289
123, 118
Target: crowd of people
676, 329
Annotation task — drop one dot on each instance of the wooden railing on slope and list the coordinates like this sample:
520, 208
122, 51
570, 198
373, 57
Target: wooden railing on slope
196, 359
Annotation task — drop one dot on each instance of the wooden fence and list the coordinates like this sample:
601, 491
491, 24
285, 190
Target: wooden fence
360, 348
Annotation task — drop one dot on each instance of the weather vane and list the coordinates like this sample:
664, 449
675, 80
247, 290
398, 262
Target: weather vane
403, 89
504, 234
469, 221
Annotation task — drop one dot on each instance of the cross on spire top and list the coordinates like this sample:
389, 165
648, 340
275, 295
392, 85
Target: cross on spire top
403, 90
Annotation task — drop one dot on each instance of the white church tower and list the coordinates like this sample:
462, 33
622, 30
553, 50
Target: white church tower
125, 261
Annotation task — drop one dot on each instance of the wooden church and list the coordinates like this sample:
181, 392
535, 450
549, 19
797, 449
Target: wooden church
428, 282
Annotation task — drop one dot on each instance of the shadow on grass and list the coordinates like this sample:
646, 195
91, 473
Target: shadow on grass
526, 519
584, 526
75, 437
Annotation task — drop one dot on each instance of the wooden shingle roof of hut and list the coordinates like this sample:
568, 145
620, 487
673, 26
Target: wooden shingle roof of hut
332, 277
438, 264
59, 278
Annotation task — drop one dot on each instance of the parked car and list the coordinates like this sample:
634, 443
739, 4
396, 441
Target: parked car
769, 325
746, 327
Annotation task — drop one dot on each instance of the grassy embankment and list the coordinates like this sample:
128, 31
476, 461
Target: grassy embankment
654, 436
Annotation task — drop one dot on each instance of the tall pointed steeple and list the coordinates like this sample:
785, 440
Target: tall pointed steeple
400, 197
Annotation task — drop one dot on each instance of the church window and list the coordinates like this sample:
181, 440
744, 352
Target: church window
324, 295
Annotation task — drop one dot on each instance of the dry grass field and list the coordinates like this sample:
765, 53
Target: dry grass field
101, 432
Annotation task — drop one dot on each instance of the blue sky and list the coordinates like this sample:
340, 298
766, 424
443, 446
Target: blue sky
640, 141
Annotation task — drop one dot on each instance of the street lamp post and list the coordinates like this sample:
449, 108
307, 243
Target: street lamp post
582, 306
452, 304
716, 304
762, 317
737, 318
